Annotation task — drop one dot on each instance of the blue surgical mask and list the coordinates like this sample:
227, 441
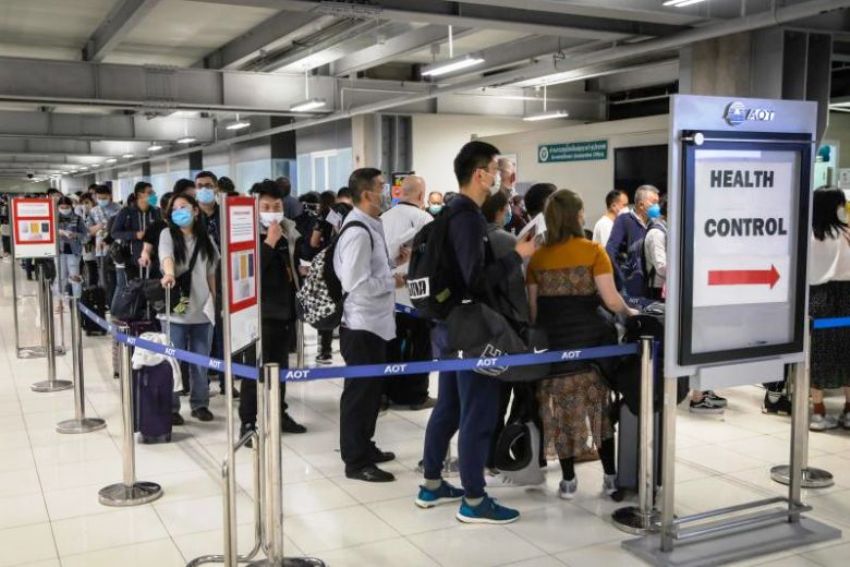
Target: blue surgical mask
435, 209
152, 199
181, 217
103, 202
509, 217
654, 211
205, 196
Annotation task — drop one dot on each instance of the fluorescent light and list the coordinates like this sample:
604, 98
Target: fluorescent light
186, 140
95, 165
546, 115
308, 105
238, 125
111, 160
154, 148
127, 156
451, 66
84, 168
681, 3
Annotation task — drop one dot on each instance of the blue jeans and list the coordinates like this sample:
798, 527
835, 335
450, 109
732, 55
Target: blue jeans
195, 338
467, 402
69, 272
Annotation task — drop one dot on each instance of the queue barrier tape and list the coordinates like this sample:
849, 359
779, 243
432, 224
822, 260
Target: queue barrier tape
831, 323
371, 370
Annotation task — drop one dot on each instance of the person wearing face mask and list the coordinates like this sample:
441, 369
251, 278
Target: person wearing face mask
362, 264
148, 258
507, 176
615, 201
89, 260
624, 246
129, 228
185, 247
277, 296
468, 403
412, 341
98, 227
435, 203
72, 235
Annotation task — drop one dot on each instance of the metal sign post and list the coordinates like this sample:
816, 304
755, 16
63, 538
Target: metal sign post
48, 337
80, 423
130, 492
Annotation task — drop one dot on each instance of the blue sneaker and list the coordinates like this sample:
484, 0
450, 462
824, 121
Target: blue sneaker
487, 512
430, 498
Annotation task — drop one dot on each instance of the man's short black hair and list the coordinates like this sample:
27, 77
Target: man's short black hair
535, 198
182, 185
93, 186
53, 191
473, 155
361, 180
209, 174
343, 193
612, 197
103, 190
494, 205
266, 188
310, 198
226, 185
140, 187
285, 186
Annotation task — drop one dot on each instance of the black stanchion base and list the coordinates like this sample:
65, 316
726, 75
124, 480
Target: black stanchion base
812, 477
55, 386
631, 520
85, 425
121, 495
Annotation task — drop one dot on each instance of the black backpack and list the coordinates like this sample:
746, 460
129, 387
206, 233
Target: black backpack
647, 270
432, 277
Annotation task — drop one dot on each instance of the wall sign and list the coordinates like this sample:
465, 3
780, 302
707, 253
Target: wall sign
240, 268
576, 151
33, 228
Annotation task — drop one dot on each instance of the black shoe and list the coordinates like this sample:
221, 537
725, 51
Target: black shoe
379, 456
289, 425
202, 414
325, 359
235, 393
183, 393
177, 419
371, 473
246, 428
782, 406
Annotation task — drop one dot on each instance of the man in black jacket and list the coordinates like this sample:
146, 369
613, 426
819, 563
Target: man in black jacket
132, 221
277, 297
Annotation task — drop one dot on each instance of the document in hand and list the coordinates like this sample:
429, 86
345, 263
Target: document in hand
537, 227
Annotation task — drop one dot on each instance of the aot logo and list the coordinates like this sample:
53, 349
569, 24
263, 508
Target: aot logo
297, 374
737, 113
543, 154
394, 368
487, 362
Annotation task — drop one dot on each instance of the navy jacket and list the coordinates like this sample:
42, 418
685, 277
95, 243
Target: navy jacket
128, 222
625, 249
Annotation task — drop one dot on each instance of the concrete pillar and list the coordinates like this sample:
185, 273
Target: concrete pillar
366, 140
772, 63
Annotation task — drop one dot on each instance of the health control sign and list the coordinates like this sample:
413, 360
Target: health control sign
743, 232
240, 268
577, 151
33, 228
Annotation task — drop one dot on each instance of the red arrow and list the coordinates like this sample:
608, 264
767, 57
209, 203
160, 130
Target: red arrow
744, 277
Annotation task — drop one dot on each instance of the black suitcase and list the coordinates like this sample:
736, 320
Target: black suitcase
95, 299
153, 388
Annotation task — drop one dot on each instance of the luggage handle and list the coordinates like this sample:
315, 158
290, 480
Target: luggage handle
146, 273
168, 314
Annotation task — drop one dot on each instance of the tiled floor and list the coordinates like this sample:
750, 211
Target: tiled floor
49, 514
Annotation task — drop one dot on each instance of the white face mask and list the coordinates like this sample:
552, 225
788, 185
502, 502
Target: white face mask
842, 214
269, 218
497, 183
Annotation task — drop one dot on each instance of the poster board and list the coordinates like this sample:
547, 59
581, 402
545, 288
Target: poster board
397, 179
33, 227
241, 268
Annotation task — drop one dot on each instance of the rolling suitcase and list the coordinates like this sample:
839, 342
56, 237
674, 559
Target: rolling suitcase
95, 299
153, 390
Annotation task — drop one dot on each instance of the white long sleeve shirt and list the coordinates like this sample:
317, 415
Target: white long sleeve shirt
365, 273
602, 230
400, 224
655, 249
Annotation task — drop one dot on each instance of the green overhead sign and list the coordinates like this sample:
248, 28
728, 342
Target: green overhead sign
576, 151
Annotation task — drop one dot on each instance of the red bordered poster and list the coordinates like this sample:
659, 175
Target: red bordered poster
242, 265
33, 227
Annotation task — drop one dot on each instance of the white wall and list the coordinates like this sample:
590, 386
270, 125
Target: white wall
438, 137
591, 179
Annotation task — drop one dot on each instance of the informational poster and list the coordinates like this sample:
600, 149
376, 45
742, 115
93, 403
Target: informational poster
241, 270
33, 228
398, 178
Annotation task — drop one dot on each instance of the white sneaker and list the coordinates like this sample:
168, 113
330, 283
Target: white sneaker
609, 484
820, 422
508, 480
567, 489
844, 419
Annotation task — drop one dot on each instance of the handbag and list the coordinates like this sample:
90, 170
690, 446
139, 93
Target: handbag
129, 302
155, 293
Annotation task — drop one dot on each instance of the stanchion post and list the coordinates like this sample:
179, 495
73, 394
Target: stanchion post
668, 464
299, 346
130, 492
810, 477
80, 423
48, 333
643, 519
274, 535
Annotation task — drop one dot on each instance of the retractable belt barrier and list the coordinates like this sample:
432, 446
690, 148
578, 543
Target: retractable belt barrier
371, 370
831, 323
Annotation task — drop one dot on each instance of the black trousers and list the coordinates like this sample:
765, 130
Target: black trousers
361, 398
412, 344
326, 339
275, 349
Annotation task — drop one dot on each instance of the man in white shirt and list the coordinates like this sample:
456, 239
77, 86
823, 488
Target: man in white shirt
507, 169
413, 335
363, 266
615, 201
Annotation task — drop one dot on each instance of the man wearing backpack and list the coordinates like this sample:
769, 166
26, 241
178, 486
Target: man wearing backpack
362, 264
467, 402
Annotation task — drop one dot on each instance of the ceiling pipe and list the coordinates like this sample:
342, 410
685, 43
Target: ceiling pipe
769, 18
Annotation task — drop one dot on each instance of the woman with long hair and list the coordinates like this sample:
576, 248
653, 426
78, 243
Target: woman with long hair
189, 256
829, 296
72, 236
569, 279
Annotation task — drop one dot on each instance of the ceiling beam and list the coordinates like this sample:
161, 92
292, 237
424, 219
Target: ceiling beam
275, 33
445, 12
115, 27
296, 54
395, 46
